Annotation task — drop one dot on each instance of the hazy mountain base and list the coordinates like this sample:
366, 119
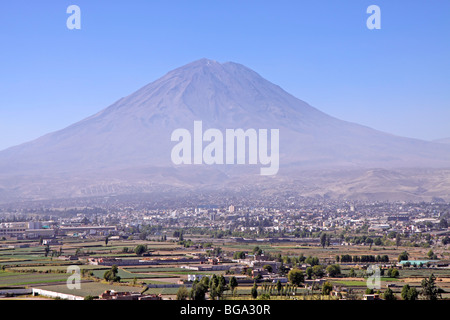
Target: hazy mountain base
339, 184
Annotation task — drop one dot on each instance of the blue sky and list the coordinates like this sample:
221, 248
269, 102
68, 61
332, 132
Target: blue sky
395, 79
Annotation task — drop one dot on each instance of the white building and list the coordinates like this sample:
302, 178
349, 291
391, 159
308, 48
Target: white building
193, 277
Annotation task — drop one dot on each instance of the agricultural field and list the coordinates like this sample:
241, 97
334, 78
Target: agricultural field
20, 279
32, 266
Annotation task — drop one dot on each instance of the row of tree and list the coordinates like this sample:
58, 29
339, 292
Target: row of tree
363, 258
216, 286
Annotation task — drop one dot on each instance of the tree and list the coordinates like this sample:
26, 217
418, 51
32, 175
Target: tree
233, 283
323, 240
369, 241
389, 294
352, 273
296, 277
309, 272
239, 255
111, 275
213, 292
429, 289
312, 261
393, 273
182, 293
398, 240
392, 234
333, 270
254, 291
346, 258
198, 291
369, 291
206, 281
257, 251
409, 293
403, 256
268, 268
47, 250
219, 286
106, 241
140, 249
301, 258
445, 240
279, 286
214, 281
405, 291
413, 294
222, 281
443, 224
318, 271
327, 288
432, 255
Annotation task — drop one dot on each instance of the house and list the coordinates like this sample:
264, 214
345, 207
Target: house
50, 242
114, 295
68, 258
281, 279
259, 272
341, 294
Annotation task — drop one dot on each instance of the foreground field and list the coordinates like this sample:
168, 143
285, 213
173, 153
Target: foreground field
30, 266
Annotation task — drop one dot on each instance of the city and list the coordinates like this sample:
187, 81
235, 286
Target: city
136, 252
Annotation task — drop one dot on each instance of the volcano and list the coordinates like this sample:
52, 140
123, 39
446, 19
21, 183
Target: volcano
126, 147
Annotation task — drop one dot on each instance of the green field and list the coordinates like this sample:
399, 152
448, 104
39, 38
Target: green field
124, 274
351, 283
16, 279
51, 268
422, 273
156, 269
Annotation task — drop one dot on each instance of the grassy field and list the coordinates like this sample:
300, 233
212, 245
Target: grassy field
422, 273
351, 283
124, 274
8, 279
156, 269
51, 268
